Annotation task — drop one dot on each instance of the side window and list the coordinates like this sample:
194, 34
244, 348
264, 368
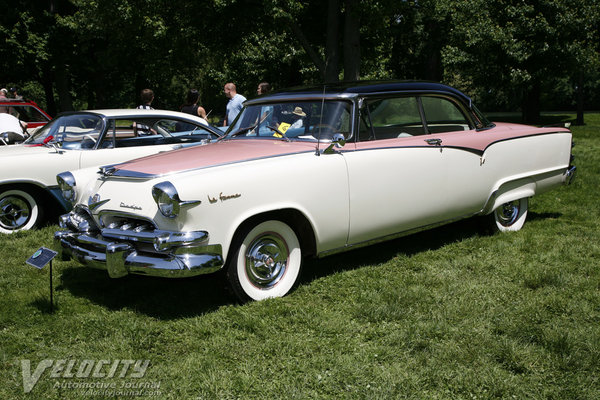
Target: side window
120, 133
442, 115
150, 132
391, 118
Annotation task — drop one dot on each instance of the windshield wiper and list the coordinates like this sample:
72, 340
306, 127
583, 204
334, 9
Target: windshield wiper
277, 131
239, 131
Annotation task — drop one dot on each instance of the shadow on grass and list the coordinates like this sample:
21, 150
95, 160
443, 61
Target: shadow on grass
533, 216
160, 298
383, 252
167, 299
43, 304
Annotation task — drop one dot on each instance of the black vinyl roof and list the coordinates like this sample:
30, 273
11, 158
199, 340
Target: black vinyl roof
365, 88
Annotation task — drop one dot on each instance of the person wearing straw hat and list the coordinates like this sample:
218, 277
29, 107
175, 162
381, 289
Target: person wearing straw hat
299, 115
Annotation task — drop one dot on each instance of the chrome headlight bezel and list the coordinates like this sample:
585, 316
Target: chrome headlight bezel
68, 186
167, 199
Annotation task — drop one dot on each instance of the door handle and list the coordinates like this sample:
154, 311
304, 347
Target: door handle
434, 142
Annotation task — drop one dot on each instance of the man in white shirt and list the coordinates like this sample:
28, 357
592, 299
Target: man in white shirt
11, 129
234, 106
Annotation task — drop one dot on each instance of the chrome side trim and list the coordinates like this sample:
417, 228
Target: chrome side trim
487, 208
124, 173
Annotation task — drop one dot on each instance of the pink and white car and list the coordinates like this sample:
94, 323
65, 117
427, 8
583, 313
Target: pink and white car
309, 173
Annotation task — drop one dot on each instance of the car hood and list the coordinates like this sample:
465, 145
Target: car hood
213, 154
21, 150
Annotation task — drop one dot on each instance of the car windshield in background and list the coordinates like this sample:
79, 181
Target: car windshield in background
70, 129
27, 113
304, 120
86, 131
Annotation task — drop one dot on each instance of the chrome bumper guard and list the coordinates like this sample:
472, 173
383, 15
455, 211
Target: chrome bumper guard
570, 174
155, 253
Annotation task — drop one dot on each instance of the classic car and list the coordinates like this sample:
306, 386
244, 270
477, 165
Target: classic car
76, 140
367, 162
27, 111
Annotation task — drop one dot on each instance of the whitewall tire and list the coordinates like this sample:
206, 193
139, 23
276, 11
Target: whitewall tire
510, 216
265, 262
19, 211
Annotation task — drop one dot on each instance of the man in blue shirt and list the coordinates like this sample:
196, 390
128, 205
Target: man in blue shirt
234, 105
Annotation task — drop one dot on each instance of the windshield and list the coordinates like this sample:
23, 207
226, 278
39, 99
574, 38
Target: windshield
481, 121
70, 130
301, 120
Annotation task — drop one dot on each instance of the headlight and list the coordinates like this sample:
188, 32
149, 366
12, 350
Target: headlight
167, 199
66, 183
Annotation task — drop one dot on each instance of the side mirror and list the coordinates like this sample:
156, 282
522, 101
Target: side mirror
338, 141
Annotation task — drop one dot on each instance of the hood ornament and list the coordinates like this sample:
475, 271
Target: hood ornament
108, 170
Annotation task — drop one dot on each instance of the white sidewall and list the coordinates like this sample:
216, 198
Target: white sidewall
293, 266
520, 220
32, 205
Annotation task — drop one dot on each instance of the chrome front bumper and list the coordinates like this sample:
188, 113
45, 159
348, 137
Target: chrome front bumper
155, 253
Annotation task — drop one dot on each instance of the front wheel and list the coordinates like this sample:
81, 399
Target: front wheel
510, 216
19, 211
265, 262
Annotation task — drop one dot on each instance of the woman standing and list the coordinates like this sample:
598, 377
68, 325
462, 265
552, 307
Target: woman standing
191, 105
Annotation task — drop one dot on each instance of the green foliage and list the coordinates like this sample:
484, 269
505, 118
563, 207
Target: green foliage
91, 54
508, 48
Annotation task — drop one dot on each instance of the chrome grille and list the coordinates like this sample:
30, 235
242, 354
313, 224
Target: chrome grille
79, 220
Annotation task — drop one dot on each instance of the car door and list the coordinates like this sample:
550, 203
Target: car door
400, 175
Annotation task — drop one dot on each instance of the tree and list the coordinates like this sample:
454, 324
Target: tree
512, 45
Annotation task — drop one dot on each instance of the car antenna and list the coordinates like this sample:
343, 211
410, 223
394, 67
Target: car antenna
321, 120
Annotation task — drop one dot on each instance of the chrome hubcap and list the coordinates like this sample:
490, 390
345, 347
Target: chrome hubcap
14, 212
508, 213
266, 260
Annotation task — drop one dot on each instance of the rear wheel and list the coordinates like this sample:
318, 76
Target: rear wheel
19, 210
510, 216
265, 262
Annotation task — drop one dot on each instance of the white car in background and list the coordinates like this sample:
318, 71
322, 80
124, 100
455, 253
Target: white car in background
75, 140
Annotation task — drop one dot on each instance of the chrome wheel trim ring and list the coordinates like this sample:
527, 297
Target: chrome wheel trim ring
508, 213
267, 259
14, 212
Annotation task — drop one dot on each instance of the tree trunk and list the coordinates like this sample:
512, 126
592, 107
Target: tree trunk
47, 82
580, 99
316, 59
63, 87
531, 104
433, 48
352, 41
332, 46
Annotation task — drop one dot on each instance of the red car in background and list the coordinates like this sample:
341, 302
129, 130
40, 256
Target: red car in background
27, 111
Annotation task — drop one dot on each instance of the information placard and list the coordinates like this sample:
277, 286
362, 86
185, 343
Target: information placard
41, 257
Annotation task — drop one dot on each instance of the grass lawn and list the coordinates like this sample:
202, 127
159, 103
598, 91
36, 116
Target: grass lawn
443, 314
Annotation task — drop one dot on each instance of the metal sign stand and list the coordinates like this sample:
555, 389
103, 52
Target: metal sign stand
51, 291
38, 260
